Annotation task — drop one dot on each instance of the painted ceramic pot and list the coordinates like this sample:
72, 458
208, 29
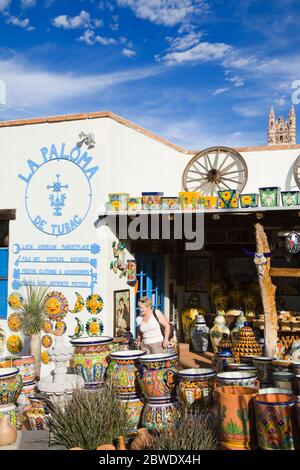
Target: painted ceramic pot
199, 334
26, 366
37, 415
134, 405
249, 200
282, 366
158, 375
152, 201
284, 380
89, 359
241, 379
5, 362
11, 412
161, 413
246, 344
235, 415
264, 369
228, 199
290, 198
124, 370
276, 421
135, 203
28, 389
195, 387
263, 391
169, 203
235, 366
223, 359
189, 200
269, 197
210, 202
118, 201
217, 331
10, 385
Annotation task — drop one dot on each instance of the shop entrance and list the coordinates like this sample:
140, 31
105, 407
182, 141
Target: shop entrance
150, 277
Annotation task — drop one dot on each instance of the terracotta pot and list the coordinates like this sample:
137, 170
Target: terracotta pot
158, 374
235, 415
106, 447
161, 413
10, 385
8, 433
123, 369
89, 359
26, 366
142, 440
276, 421
195, 387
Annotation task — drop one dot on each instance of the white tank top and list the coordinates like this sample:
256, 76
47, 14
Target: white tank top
150, 330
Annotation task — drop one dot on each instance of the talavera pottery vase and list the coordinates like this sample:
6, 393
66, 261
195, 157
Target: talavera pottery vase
225, 343
199, 334
134, 405
8, 433
264, 369
284, 380
235, 417
217, 331
90, 358
161, 413
26, 366
37, 415
195, 387
124, 370
276, 421
158, 375
241, 379
11, 412
10, 385
246, 344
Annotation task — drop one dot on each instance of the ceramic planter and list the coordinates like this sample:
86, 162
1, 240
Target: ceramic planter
199, 334
37, 416
11, 412
152, 201
134, 405
235, 366
28, 389
296, 367
223, 359
158, 375
263, 391
26, 366
290, 198
264, 369
276, 421
189, 200
282, 366
269, 197
161, 413
246, 344
284, 380
235, 416
249, 200
195, 387
89, 359
118, 201
10, 385
228, 199
124, 371
241, 379
170, 203
135, 203
210, 202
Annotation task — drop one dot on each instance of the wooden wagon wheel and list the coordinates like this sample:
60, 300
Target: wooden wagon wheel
215, 169
297, 171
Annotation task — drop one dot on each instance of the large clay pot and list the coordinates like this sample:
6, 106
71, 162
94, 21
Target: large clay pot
161, 413
195, 387
199, 334
89, 359
241, 379
158, 375
134, 405
26, 366
276, 421
264, 369
235, 415
10, 385
124, 370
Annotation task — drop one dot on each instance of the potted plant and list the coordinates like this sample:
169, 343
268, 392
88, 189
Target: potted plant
33, 316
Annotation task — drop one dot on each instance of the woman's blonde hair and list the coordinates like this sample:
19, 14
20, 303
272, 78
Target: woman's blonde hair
146, 300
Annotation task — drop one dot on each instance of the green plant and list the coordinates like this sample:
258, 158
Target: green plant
89, 419
195, 432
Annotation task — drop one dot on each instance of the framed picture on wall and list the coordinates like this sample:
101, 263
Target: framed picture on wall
197, 273
121, 311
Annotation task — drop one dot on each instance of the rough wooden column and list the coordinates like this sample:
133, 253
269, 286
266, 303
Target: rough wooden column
268, 295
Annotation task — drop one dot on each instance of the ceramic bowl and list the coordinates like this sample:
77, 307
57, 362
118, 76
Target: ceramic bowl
273, 390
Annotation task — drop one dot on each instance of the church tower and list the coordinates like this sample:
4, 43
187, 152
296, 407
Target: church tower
281, 131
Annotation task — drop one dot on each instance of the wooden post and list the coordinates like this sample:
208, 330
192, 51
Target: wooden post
268, 295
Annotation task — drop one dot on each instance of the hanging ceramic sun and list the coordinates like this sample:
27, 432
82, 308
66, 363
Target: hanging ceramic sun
14, 322
292, 242
79, 329
47, 326
56, 305
94, 304
79, 304
45, 358
61, 324
15, 300
47, 341
94, 327
14, 344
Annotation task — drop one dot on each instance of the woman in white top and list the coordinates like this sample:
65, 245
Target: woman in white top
149, 335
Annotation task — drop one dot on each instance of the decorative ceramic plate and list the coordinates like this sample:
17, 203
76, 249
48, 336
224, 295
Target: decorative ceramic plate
15, 300
45, 358
47, 326
56, 305
94, 327
14, 322
47, 341
94, 303
14, 344
59, 324
79, 304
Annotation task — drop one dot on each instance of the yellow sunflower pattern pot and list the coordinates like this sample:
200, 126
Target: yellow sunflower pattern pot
228, 199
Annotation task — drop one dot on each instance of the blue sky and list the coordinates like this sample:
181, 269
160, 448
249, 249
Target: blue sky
197, 72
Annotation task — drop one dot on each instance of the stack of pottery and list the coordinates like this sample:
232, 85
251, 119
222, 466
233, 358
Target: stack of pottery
217, 331
36, 414
26, 366
124, 372
199, 334
158, 380
276, 421
90, 358
235, 415
10, 388
246, 344
195, 388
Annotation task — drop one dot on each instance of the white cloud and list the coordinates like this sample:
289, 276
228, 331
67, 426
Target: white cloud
4, 4
128, 52
165, 12
281, 101
236, 81
82, 20
91, 39
28, 3
249, 110
182, 43
202, 52
219, 91
15, 21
